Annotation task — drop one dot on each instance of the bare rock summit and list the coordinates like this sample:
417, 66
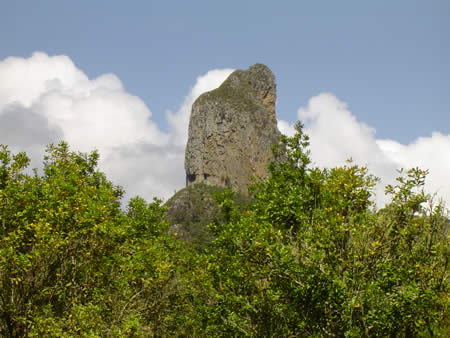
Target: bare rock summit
232, 130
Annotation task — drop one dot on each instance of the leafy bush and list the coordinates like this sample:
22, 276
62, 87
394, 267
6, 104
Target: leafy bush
313, 257
308, 255
73, 263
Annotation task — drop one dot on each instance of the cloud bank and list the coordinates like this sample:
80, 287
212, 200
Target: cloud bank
336, 135
45, 99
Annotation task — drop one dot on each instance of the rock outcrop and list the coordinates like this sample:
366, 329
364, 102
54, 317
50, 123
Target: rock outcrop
232, 130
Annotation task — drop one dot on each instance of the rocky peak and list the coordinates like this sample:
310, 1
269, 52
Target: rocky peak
232, 130
259, 78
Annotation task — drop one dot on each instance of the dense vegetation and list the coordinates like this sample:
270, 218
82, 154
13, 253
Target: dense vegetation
191, 209
309, 256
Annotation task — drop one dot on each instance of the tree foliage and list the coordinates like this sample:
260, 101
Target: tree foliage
73, 263
314, 257
309, 256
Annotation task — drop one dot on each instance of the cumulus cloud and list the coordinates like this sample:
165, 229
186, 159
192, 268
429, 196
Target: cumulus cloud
45, 99
432, 153
286, 128
35, 128
336, 135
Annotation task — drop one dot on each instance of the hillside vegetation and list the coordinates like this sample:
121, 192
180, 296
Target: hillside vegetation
307, 256
191, 209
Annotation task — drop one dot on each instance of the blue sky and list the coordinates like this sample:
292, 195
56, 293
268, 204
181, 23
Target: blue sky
389, 61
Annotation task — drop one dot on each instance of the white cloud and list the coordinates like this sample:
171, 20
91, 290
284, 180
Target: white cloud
432, 153
45, 99
336, 135
286, 128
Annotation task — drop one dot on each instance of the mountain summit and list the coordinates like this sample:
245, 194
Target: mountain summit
232, 130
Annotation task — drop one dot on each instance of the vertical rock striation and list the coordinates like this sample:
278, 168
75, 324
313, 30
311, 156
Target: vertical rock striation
232, 130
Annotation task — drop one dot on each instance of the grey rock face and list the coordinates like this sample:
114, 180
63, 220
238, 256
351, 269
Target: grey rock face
232, 130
